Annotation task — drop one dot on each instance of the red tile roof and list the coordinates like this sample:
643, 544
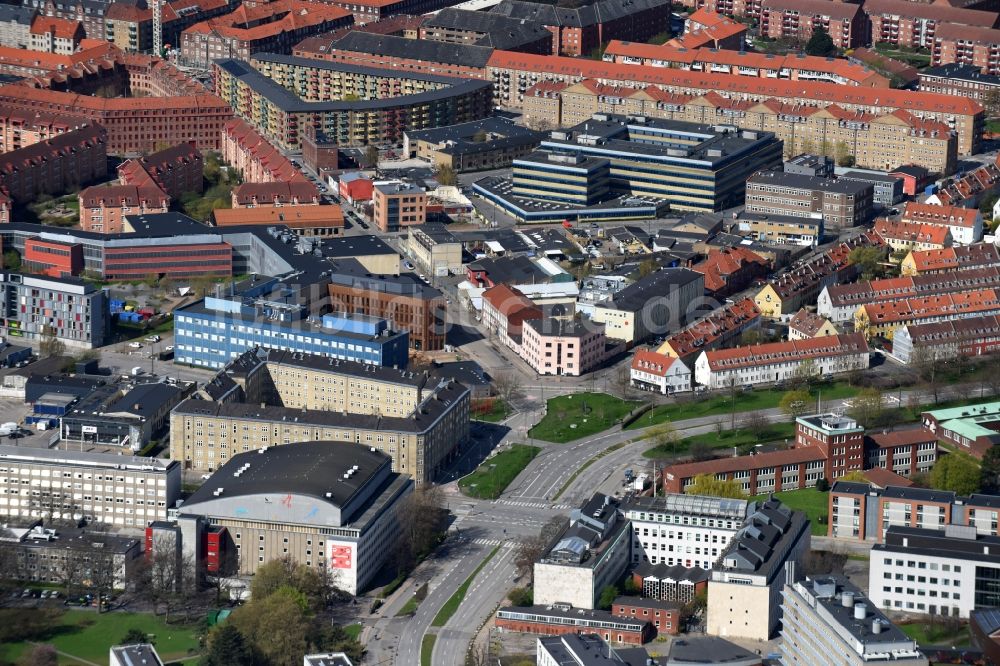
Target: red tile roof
927, 307
952, 258
294, 15
59, 27
835, 9
883, 478
952, 216
981, 33
937, 11
703, 333
912, 232
720, 264
807, 323
122, 195
908, 437
736, 85
508, 301
784, 352
652, 363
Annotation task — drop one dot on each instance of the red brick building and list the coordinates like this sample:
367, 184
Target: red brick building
264, 195
55, 165
52, 258
559, 619
978, 46
796, 19
255, 158
665, 616
916, 24
180, 261
103, 208
175, 170
414, 307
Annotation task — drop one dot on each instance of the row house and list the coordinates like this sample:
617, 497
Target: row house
969, 189
965, 224
781, 361
861, 512
877, 141
718, 329
802, 282
653, 371
966, 337
978, 255
839, 302
514, 73
884, 318
904, 237
731, 270
805, 325
797, 19
794, 67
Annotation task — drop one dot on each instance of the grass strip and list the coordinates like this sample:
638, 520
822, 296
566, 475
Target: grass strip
427, 649
491, 478
451, 606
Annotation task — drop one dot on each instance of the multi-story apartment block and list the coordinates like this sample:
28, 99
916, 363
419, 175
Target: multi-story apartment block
258, 161
956, 79
973, 45
100, 488
916, 25
949, 571
684, 530
579, 30
715, 330
781, 229
103, 208
15, 25
888, 190
840, 203
56, 35
839, 439
465, 26
780, 361
840, 302
68, 309
176, 170
969, 336
56, 165
553, 346
397, 204
268, 193
278, 94
868, 121
904, 237
744, 592
274, 27
965, 224
794, 67
797, 19
418, 420
884, 318
129, 26
861, 511
827, 619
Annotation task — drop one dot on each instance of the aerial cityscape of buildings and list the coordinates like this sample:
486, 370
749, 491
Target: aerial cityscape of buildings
584, 333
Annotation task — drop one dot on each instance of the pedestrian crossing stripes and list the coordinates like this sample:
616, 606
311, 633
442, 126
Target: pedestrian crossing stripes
533, 505
506, 543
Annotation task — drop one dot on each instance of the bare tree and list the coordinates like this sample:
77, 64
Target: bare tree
928, 366
49, 344
623, 379
421, 519
507, 384
531, 549
757, 424
700, 451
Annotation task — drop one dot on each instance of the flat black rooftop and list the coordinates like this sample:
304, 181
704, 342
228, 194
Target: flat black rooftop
801, 181
414, 49
314, 469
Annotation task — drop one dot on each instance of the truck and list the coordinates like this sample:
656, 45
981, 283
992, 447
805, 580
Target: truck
8, 429
137, 370
165, 355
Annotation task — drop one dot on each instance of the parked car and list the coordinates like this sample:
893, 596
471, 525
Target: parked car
409, 265
135, 345
153, 338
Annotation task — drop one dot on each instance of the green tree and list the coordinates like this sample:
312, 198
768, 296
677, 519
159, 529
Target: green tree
854, 475
227, 647
630, 587
795, 403
986, 205
868, 260
991, 470
285, 573
334, 638
12, 260
133, 636
446, 175
709, 486
278, 626
608, 595
521, 596
664, 438
843, 153
648, 267
956, 472
822, 485
820, 44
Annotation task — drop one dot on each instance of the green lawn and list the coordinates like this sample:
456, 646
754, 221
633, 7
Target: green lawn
89, 636
721, 404
493, 476
353, 630
726, 439
926, 633
577, 415
409, 607
451, 606
493, 411
427, 649
811, 501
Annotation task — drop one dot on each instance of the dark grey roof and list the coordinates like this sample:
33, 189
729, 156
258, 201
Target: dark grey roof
676, 572
867, 177
322, 364
511, 270
559, 613
458, 139
578, 650
414, 49
598, 12
987, 619
853, 487
812, 183
314, 469
958, 72
86, 540
956, 542
708, 650
469, 373
355, 246
563, 327
925, 494
289, 102
497, 30
635, 296
768, 533
16, 14
145, 399
328, 659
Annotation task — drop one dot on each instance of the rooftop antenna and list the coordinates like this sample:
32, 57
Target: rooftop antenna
157, 28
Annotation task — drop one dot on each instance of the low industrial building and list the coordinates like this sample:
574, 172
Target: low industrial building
328, 505
101, 488
491, 143
744, 593
435, 249
781, 229
665, 616
111, 417
558, 619
827, 619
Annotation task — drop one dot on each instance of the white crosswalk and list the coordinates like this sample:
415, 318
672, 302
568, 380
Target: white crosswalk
506, 543
533, 505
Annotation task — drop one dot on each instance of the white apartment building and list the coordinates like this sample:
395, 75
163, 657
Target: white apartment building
658, 372
776, 361
685, 530
96, 487
949, 571
826, 620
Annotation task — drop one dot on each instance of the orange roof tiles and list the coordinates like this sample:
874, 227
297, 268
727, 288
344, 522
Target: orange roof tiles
835, 10
703, 333
295, 216
937, 11
652, 363
59, 27
254, 23
883, 478
734, 84
785, 352
953, 258
706, 18
720, 264
912, 232
926, 307
509, 301
122, 195
952, 216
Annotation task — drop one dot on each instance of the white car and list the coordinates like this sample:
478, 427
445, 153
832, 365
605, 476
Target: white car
135, 345
168, 348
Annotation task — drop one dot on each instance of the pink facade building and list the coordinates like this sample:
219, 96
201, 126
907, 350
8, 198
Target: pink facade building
560, 347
